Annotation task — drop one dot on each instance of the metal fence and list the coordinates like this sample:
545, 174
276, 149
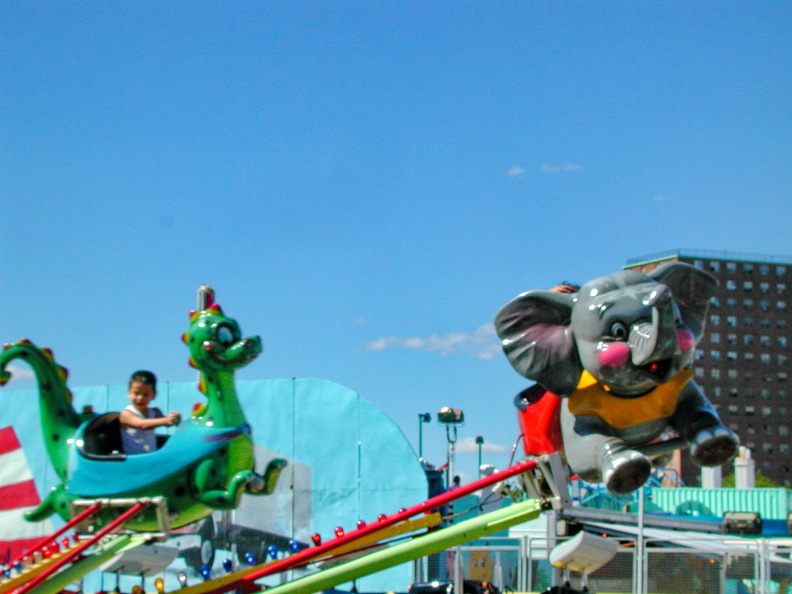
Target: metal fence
723, 566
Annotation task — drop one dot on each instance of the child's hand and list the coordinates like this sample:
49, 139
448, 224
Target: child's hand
174, 418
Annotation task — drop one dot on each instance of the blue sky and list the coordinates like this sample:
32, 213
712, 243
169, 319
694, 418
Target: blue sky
366, 183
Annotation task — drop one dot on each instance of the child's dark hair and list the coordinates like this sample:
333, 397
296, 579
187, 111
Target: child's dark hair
144, 377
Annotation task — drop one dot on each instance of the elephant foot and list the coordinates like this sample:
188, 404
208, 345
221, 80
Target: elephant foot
626, 471
714, 446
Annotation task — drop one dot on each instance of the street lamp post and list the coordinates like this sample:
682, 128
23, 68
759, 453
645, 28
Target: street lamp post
422, 418
451, 418
479, 443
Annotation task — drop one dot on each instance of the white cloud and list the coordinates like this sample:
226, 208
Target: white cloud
659, 198
21, 374
515, 171
550, 169
482, 343
468, 445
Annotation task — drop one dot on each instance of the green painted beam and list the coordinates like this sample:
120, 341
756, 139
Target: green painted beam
427, 544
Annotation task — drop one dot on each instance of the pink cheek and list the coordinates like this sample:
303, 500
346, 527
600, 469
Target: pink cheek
614, 354
685, 339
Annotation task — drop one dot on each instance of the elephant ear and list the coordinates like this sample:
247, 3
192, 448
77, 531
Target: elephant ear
535, 332
692, 289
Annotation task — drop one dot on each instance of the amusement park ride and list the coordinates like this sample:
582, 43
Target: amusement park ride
612, 364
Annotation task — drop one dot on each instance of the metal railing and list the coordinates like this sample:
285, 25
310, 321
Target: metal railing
715, 565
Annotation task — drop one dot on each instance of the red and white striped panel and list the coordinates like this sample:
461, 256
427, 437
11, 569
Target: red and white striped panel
17, 495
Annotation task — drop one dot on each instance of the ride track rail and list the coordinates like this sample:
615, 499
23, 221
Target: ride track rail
245, 579
75, 552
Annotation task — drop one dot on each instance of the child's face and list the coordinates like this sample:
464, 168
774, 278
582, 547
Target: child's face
140, 394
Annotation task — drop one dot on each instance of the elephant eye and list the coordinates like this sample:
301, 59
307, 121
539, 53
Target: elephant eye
619, 331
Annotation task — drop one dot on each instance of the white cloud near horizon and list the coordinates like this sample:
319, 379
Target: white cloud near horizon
482, 343
550, 169
21, 374
515, 171
468, 445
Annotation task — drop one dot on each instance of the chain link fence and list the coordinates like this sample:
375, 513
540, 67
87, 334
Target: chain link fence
723, 566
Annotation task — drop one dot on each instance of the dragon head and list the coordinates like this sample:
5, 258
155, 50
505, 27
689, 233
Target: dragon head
216, 343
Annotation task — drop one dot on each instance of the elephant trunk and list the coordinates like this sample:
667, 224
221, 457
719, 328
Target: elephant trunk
654, 340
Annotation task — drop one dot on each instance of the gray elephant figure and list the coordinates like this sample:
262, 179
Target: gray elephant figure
619, 352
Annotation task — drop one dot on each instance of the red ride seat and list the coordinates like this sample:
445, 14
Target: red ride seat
538, 412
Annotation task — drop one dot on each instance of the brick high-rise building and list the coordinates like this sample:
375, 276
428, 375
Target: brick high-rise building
742, 363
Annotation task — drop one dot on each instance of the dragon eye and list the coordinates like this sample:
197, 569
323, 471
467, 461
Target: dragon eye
225, 335
619, 331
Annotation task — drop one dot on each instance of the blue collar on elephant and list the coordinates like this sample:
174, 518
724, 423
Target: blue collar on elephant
592, 398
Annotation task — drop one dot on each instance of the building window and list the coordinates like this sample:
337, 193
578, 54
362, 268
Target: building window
699, 372
714, 338
731, 320
781, 305
748, 339
748, 322
781, 288
782, 360
715, 355
764, 269
748, 303
764, 340
732, 374
765, 305
699, 355
781, 324
782, 341
764, 287
749, 375
715, 373
783, 430
780, 270
731, 285
765, 358
749, 356
716, 391
782, 376
731, 266
715, 302
731, 339
733, 409
713, 266
750, 411
766, 394
748, 267
714, 319
748, 286
732, 302
731, 355
783, 448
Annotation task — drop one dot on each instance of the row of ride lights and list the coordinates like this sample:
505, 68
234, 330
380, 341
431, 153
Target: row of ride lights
274, 552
